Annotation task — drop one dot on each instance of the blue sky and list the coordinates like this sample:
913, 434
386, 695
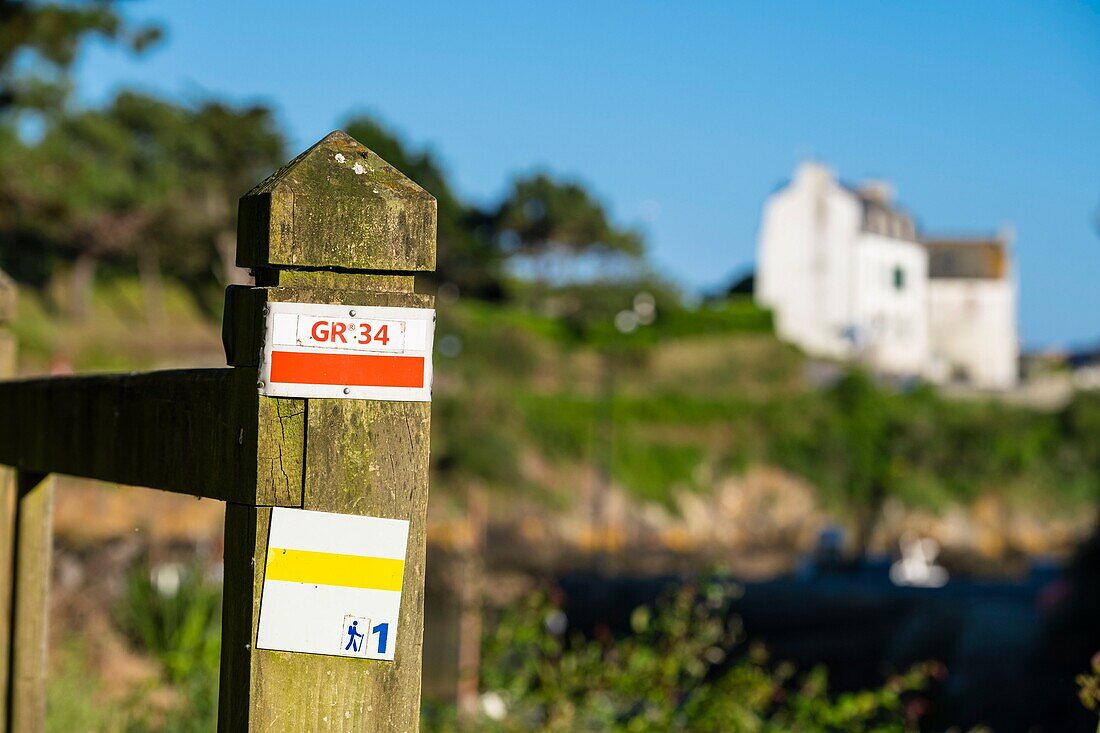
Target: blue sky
682, 116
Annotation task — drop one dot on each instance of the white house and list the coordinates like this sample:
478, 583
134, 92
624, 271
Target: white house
848, 277
972, 311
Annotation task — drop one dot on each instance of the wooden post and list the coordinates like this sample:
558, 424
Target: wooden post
471, 600
30, 612
337, 225
7, 503
26, 524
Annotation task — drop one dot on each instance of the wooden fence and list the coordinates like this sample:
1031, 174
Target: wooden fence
337, 225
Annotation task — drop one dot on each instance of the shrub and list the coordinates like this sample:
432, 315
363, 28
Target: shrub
673, 673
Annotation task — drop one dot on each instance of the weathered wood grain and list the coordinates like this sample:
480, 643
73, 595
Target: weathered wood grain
246, 529
367, 458
287, 691
7, 505
30, 618
383, 282
208, 433
190, 431
264, 690
337, 205
361, 457
7, 574
8, 354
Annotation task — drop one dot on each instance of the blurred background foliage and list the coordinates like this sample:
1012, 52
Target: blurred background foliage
559, 345
686, 667
682, 669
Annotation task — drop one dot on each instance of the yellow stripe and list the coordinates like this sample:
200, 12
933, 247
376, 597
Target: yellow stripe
329, 568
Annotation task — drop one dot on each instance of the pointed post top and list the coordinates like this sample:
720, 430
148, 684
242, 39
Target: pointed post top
337, 205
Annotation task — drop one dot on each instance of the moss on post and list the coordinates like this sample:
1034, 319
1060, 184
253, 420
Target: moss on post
337, 205
30, 606
336, 225
7, 503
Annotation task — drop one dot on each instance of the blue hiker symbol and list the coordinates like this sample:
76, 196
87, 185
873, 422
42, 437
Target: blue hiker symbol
353, 634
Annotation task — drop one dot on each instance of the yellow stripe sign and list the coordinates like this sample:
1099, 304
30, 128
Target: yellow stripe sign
332, 584
330, 568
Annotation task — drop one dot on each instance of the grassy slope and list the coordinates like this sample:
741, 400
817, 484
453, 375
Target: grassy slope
117, 334
529, 404
696, 397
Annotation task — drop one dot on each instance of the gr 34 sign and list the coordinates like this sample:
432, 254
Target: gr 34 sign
351, 352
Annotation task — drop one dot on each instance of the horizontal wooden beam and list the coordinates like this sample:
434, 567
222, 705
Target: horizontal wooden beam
189, 431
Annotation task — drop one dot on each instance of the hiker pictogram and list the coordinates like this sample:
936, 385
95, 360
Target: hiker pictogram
355, 638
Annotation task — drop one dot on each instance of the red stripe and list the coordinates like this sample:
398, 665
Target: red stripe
353, 370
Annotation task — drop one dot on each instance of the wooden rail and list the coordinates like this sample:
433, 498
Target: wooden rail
191, 431
337, 225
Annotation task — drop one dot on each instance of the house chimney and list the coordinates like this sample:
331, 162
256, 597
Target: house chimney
881, 192
813, 173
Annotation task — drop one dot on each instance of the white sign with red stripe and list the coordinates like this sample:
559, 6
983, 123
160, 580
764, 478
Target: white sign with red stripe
347, 351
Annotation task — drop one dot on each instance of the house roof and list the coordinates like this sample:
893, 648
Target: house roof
966, 258
880, 214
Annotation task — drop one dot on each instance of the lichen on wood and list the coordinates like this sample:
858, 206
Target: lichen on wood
337, 205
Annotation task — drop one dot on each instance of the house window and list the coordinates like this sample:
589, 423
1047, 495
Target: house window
899, 279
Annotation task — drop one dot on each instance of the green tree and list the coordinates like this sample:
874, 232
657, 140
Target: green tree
142, 183
88, 191
865, 441
539, 217
222, 152
542, 214
38, 44
49, 36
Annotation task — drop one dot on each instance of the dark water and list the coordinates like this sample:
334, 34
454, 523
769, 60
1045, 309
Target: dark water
1009, 650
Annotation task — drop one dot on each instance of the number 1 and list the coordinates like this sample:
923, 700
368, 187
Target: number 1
383, 631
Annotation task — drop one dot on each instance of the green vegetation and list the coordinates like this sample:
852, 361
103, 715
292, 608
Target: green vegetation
176, 623
118, 334
179, 624
53, 33
150, 186
662, 410
674, 672
76, 699
557, 343
666, 411
1088, 684
683, 668
561, 355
